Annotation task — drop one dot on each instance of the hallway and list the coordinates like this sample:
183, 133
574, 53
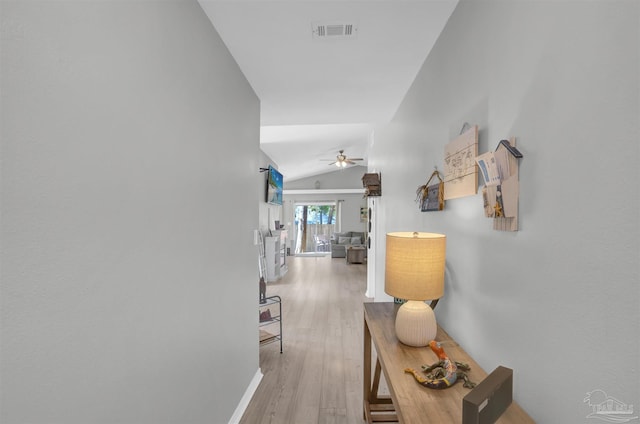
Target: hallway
318, 377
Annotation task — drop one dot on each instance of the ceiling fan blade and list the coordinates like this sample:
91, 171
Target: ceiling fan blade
341, 158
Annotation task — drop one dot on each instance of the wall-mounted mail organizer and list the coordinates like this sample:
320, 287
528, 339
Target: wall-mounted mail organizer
501, 190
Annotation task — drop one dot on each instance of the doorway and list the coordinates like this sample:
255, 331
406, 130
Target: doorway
314, 222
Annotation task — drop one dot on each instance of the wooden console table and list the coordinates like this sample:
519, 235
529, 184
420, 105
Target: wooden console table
410, 402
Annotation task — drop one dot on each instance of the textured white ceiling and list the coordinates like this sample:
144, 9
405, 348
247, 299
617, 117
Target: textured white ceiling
321, 96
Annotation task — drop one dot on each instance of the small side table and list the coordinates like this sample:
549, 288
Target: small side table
355, 254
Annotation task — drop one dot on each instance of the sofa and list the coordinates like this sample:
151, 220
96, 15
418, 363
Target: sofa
341, 241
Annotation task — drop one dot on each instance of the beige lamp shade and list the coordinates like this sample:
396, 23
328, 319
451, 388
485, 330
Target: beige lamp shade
415, 265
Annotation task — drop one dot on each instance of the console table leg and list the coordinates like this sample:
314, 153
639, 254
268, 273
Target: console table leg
376, 381
366, 386
374, 406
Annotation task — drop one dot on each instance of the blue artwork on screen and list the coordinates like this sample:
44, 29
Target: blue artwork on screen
274, 187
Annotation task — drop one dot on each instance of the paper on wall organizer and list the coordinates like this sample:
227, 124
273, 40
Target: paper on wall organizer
488, 168
501, 157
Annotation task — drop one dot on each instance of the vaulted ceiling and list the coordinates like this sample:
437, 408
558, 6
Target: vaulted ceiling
326, 72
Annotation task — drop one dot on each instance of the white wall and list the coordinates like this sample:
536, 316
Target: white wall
125, 291
350, 177
558, 300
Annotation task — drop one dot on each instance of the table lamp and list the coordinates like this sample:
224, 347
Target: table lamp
415, 265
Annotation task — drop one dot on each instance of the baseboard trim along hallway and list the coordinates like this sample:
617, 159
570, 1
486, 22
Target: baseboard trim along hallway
246, 398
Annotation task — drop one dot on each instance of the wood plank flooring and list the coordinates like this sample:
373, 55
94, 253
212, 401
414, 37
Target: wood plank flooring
318, 378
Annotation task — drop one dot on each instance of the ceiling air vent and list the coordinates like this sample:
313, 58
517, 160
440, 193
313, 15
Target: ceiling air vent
334, 30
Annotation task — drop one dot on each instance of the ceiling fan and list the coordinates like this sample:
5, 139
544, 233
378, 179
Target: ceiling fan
342, 160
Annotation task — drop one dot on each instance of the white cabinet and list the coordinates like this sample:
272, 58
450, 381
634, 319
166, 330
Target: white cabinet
275, 252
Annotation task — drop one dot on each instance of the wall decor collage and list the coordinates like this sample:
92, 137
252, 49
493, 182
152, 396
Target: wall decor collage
499, 169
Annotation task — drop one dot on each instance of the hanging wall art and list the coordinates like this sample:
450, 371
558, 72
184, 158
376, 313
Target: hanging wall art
429, 196
460, 170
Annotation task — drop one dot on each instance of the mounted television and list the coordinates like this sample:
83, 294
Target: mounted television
274, 186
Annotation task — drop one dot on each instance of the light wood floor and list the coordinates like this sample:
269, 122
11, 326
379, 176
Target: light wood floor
318, 378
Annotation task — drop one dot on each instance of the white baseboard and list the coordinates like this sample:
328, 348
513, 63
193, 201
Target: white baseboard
246, 398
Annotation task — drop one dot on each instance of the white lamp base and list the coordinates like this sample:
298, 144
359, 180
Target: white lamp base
416, 324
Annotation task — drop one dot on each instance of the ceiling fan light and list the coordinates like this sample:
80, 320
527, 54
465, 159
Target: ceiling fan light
342, 161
